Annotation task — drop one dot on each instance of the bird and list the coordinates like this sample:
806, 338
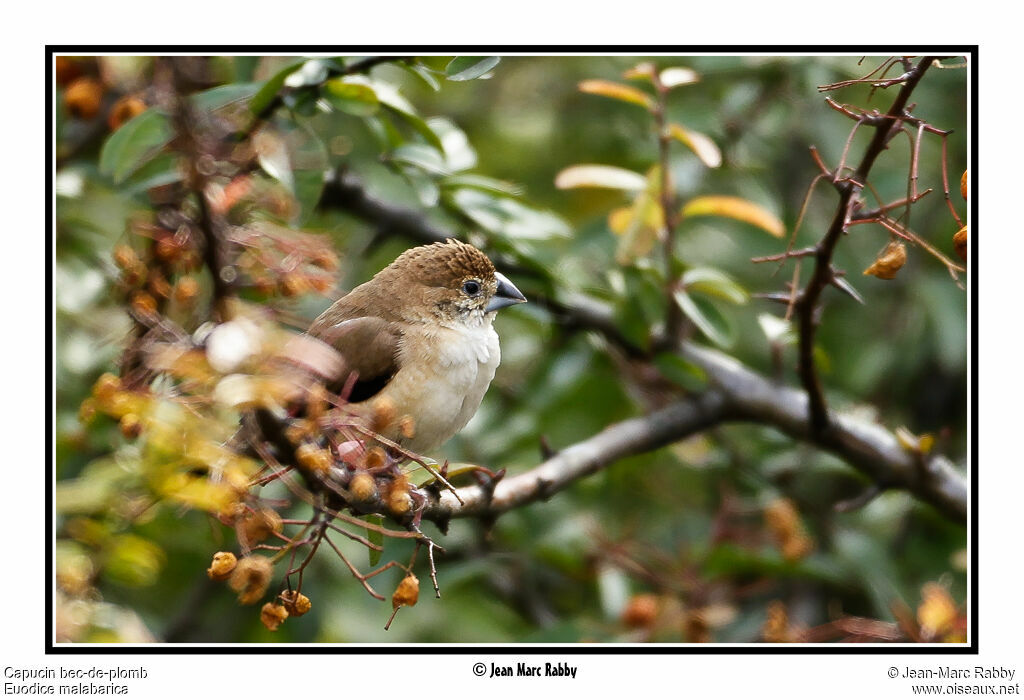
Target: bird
416, 343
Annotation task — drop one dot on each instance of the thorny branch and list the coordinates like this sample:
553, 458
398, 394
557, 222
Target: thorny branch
806, 306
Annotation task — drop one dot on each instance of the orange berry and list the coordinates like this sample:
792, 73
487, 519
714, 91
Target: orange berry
144, 304
125, 109
641, 611
186, 290
83, 97
960, 243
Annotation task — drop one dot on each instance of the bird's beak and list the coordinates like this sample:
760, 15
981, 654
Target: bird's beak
507, 294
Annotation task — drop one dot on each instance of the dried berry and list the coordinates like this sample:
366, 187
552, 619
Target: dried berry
250, 578
222, 566
295, 603
313, 458
272, 615
186, 290
258, 526
889, 262
130, 425
963, 185
106, 386
362, 487
407, 593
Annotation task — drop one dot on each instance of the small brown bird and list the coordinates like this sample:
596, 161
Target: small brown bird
420, 341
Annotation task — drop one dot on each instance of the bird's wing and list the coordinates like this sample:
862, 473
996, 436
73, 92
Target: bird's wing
368, 347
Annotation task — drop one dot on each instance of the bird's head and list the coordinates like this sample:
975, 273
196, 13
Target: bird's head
450, 282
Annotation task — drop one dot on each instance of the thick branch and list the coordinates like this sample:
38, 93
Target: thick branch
738, 394
630, 437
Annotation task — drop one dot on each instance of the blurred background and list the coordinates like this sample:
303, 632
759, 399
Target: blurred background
730, 536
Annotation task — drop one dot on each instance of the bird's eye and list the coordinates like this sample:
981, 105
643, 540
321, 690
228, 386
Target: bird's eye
471, 287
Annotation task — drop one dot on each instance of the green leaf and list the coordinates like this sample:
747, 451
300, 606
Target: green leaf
470, 67
375, 537
680, 371
605, 176
714, 283
223, 96
423, 73
420, 156
353, 98
138, 141
268, 93
484, 184
161, 170
708, 319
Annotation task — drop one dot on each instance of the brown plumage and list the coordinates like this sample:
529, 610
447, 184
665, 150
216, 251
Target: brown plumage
418, 337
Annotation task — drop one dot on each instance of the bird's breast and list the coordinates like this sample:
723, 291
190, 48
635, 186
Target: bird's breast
443, 376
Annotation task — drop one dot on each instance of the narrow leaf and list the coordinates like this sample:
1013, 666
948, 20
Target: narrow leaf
641, 71
715, 283
375, 536
485, 184
266, 94
735, 208
706, 317
470, 67
606, 176
697, 142
617, 91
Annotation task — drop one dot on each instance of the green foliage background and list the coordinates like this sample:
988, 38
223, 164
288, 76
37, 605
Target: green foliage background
558, 571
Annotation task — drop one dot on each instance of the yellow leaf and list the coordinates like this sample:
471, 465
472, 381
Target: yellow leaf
735, 208
641, 70
697, 142
937, 611
617, 91
618, 219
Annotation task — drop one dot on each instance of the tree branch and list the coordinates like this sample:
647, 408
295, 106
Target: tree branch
807, 302
630, 437
737, 394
